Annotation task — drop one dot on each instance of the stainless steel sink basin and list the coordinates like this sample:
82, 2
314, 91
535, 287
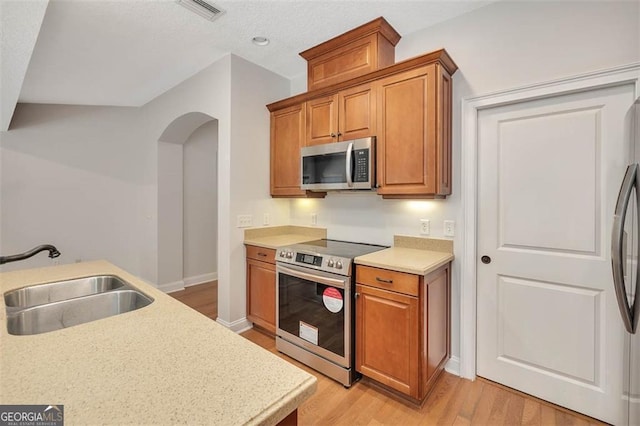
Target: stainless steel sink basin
67, 313
62, 290
47, 307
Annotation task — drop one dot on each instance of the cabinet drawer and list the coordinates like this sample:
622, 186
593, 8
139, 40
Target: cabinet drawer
400, 282
261, 253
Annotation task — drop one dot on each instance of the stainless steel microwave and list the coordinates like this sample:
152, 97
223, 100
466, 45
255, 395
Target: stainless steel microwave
341, 165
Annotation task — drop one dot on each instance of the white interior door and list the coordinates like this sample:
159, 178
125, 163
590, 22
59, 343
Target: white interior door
549, 171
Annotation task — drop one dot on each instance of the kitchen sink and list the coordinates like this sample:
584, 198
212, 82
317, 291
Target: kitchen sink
78, 310
60, 304
62, 290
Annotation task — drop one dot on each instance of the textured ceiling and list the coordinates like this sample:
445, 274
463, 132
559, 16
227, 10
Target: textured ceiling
127, 52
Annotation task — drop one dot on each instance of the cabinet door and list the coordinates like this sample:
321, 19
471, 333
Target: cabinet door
387, 338
414, 152
357, 113
261, 294
322, 120
287, 136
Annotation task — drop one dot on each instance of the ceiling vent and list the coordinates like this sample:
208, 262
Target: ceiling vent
202, 8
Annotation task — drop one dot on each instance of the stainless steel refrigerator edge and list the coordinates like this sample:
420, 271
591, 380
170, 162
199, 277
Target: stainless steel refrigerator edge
625, 246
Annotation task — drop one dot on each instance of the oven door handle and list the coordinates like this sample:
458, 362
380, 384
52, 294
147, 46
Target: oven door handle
312, 277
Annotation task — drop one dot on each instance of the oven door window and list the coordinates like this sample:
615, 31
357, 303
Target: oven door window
312, 311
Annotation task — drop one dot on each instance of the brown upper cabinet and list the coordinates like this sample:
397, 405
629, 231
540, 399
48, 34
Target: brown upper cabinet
287, 137
414, 134
406, 106
348, 114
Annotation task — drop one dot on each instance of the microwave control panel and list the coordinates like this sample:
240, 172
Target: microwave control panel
361, 169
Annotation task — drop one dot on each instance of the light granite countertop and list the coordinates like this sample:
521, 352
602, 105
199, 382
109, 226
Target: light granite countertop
279, 236
414, 255
162, 364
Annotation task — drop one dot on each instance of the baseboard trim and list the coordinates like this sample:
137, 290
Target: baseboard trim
200, 279
171, 287
238, 326
453, 366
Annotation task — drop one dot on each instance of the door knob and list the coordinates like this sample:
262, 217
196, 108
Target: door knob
485, 259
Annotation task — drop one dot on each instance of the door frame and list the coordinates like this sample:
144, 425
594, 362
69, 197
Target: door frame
617, 76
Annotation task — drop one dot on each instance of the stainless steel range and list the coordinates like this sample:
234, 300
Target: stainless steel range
314, 308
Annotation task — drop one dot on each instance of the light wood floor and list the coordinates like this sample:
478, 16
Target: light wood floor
203, 298
454, 401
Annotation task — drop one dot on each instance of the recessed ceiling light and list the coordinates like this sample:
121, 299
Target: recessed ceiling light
260, 41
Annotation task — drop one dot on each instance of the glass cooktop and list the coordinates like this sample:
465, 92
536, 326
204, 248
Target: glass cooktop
337, 248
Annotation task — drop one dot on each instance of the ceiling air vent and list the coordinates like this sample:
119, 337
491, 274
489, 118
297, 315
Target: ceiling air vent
202, 8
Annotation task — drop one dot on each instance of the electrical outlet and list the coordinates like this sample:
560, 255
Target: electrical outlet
425, 227
314, 218
449, 228
244, 220
265, 219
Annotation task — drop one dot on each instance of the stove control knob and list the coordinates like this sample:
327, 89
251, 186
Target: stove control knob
282, 253
289, 254
330, 263
338, 265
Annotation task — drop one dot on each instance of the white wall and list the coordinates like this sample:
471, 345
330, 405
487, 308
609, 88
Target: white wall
515, 43
497, 47
73, 177
20, 22
200, 195
86, 178
187, 202
207, 92
170, 216
248, 179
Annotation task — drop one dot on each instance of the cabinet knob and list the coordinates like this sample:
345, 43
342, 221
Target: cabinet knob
485, 259
333, 135
357, 295
339, 134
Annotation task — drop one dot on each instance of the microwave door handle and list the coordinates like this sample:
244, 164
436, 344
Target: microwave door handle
349, 171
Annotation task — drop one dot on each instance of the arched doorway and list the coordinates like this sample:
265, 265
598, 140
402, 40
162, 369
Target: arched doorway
187, 202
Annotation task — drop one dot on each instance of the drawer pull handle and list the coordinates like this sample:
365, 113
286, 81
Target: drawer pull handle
382, 280
262, 254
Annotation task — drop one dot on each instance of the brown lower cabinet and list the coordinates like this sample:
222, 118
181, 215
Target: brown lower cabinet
402, 328
261, 287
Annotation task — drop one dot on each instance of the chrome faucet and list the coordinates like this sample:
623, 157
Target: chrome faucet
53, 253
